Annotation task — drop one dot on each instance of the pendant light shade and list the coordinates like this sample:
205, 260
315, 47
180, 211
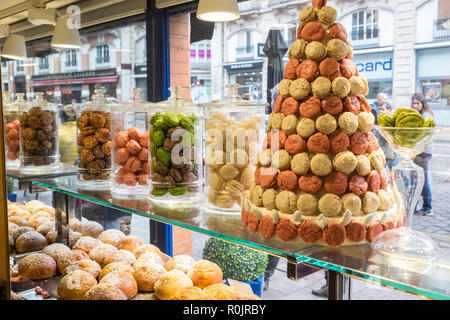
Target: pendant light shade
218, 10
14, 47
65, 38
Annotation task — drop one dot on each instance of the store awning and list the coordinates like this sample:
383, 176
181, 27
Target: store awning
75, 81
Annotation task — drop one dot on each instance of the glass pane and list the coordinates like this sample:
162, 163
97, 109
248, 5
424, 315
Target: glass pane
106, 60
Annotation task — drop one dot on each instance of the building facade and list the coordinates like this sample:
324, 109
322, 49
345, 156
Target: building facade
399, 46
114, 60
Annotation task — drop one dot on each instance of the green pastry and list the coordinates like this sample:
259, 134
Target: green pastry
178, 191
186, 123
158, 137
159, 192
155, 117
164, 156
161, 124
430, 123
153, 148
386, 120
187, 139
153, 166
409, 120
171, 119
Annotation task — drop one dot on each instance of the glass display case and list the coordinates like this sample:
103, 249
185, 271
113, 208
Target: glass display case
176, 157
94, 142
130, 139
39, 140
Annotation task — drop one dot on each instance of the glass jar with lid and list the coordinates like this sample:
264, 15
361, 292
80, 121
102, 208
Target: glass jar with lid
130, 139
176, 157
94, 142
234, 130
12, 128
39, 142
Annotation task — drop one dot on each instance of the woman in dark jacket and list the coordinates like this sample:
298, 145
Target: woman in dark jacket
419, 103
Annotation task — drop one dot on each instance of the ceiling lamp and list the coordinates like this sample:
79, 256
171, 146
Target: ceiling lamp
218, 10
65, 38
14, 47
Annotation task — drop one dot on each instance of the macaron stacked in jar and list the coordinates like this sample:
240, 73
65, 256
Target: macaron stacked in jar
321, 176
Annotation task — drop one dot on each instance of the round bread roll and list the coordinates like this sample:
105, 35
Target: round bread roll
30, 241
191, 293
149, 257
146, 248
73, 238
18, 220
86, 243
56, 250
146, 275
116, 266
86, 265
67, 258
37, 266
20, 231
221, 291
204, 273
182, 262
74, 285
91, 229
102, 253
18, 212
122, 256
35, 223
170, 283
51, 234
45, 228
75, 225
34, 205
11, 227
129, 243
122, 280
111, 236
104, 291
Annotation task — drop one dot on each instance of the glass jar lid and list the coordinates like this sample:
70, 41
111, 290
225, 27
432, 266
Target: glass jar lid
39, 101
233, 99
135, 104
176, 100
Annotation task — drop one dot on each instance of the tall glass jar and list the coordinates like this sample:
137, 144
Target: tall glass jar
176, 157
39, 143
234, 132
94, 143
12, 128
130, 139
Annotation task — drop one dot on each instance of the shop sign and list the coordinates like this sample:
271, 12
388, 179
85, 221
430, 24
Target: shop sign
244, 67
75, 75
261, 50
375, 66
140, 69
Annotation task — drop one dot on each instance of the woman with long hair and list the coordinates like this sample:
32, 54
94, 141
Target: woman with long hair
420, 104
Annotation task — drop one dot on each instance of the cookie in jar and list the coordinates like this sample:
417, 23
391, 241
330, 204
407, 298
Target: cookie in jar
94, 143
39, 143
176, 163
234, 130
11, 126
130, 154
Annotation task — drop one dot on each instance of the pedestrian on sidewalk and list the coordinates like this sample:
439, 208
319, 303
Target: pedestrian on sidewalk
420, 104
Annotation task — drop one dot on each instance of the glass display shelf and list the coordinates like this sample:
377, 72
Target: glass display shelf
431, 281
65, 170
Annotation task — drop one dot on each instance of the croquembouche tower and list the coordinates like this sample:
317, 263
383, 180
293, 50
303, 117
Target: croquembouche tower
321, 177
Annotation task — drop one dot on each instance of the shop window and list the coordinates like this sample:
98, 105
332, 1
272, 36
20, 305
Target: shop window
43, 63
71, 59
102, 54
141, 50
73, 75
365, 31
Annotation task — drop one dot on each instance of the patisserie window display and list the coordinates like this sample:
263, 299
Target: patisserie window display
39, 142
176, 157
321, 177
234, 132
12, 127
94, 143
130, 140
